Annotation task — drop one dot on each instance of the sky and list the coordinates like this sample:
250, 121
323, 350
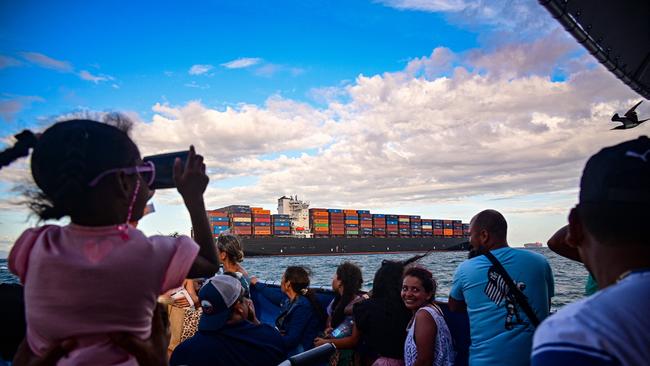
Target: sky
438, 108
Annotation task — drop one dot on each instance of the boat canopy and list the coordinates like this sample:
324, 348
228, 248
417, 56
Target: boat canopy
617, 33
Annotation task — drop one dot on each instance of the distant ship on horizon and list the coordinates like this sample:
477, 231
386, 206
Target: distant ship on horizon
534, 245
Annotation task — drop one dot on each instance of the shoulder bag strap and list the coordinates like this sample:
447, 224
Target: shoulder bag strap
520, 297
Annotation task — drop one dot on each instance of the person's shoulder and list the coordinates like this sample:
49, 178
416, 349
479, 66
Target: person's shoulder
528, 253
267, 330
566, 324
471, 264
424, 314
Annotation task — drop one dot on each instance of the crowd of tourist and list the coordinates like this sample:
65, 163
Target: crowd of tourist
91, 288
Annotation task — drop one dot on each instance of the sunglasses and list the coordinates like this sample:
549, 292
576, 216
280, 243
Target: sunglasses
147, 171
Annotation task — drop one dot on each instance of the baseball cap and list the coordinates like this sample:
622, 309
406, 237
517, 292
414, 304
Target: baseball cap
217, 295
618, 174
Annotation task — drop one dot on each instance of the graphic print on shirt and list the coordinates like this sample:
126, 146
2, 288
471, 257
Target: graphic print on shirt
497, 290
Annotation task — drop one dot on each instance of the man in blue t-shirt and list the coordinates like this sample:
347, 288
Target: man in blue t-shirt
609, 229
225, 335
500, 331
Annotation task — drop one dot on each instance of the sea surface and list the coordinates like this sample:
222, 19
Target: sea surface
569, 276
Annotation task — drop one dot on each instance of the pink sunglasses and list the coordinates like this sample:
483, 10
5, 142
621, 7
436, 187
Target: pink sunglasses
147, 171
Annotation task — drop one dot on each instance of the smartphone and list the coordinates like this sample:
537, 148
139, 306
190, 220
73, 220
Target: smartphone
164, 164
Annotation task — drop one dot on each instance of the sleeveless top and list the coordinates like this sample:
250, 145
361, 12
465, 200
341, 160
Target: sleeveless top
443, 348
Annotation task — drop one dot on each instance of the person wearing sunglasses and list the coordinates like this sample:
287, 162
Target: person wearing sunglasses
99, 275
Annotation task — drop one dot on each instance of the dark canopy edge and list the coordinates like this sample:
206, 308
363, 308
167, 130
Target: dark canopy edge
573, 27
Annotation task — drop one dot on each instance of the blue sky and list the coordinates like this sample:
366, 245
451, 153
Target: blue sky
148, 49
439, 108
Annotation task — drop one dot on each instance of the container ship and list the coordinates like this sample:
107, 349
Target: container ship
299, 230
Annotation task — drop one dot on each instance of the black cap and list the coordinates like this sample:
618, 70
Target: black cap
618, 174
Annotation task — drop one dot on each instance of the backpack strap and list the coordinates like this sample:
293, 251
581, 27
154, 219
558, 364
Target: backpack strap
520, 297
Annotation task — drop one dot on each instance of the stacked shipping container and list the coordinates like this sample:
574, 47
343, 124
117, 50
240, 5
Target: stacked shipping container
280, 225
365, 223
379, 225
404, 226
351, 223
457, 227
392, 227
438, 228
219, 222
240, 219
337, 222
427, 227
261, 221
319, 221
416, 226
256, 221
448, 229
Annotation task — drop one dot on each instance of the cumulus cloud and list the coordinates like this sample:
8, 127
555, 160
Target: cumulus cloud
407, 136
521, 18
241, 63
448, 128
47, 62
200, 69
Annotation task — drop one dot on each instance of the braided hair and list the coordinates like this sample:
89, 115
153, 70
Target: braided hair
67, 156
231, 245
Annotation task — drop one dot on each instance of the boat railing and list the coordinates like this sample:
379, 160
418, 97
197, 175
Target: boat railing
316, 356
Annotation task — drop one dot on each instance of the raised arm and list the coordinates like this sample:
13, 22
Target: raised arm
191, 183
558, 244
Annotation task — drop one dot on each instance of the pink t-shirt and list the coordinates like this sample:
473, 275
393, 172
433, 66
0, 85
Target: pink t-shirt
86, 282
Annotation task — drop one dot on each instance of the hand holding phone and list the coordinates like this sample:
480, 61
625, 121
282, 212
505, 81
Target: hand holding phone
189, 176
164, 166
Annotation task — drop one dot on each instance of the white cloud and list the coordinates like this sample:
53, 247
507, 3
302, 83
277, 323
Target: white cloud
194, 84
428, 5
410, 136
47, 62
12, 105
449, 129
521, 18
6, 61
200, 69
85, 75
241, 63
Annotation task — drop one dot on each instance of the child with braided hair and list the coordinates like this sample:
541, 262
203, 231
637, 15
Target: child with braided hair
98, 275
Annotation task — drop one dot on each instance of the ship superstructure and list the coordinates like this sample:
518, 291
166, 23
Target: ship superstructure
298, 212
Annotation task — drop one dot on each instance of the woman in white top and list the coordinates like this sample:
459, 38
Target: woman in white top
428, 341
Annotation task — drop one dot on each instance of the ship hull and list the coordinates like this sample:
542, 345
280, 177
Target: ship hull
287, 246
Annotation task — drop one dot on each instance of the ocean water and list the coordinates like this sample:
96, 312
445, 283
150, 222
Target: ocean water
569, 276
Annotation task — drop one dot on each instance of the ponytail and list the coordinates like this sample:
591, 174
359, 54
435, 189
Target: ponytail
310, 294
298, 278
24, 141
